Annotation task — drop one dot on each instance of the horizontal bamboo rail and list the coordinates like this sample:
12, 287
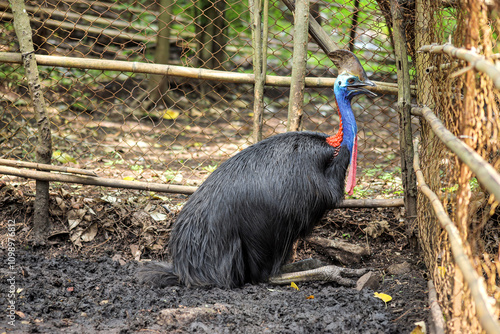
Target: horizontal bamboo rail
97, 181
485, 173
372, 203
151, 186
74, 16
108, 32
474, 281
180, 71
477, 61
13, 163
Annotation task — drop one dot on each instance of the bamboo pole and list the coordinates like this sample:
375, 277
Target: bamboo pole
259, 41
12, 163
354, 26
404, 108
107, 32
475, 282
300, 39
485, 173
477, 61
97, 181
106, 21
181, 71
43, 149
372, 203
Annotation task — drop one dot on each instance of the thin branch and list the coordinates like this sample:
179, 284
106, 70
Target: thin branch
479, 62
474, 281
180, 71
485, 173
12, 163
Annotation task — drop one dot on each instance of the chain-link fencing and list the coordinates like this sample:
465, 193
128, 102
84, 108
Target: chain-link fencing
167, 129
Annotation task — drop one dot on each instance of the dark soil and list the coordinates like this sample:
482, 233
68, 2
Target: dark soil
92, 288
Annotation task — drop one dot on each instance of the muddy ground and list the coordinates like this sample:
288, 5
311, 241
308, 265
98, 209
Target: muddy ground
90, 287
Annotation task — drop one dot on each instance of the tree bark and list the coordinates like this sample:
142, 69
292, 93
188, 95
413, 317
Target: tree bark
41, 223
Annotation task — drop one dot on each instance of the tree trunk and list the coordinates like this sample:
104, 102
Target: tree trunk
41, 223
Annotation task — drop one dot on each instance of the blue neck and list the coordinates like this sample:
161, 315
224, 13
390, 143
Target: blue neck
348, 121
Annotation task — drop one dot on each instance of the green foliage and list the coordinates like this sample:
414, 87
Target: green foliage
210, 168
12, 73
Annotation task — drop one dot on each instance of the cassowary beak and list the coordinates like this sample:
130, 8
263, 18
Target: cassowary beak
358, 88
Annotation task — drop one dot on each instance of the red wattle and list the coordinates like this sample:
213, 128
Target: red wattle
351, 177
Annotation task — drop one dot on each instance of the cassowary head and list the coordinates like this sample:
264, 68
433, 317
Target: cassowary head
352, 77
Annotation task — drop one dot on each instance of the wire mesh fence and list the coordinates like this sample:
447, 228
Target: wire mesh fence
467, 103
177, 130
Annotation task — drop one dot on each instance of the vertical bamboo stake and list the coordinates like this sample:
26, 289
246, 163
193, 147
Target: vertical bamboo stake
354, 25
259, 42
404, 108
300, 39
44, 142
158, 82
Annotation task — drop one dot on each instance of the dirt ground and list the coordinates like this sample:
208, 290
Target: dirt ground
90, 287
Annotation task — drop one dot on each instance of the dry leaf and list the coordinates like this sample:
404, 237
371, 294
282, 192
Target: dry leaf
386, 298
75, 237
420, 328
376, 228
158, 216
63, 157
170, 114
293, 285
20, 314
136, 253
129, 178
310, 297
89, 233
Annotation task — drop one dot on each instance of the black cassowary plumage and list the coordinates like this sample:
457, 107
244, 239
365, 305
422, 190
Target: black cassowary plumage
240, 225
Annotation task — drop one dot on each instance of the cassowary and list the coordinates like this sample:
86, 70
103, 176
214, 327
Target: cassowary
240, 225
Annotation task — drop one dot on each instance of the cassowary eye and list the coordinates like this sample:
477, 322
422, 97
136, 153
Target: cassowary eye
350, 81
